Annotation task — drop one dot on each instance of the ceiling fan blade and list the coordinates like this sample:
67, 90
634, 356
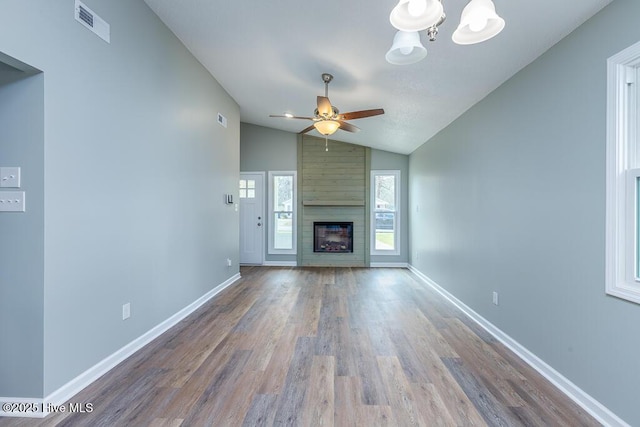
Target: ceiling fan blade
361, 114
307, 129
348, 126
324, 106
291, 117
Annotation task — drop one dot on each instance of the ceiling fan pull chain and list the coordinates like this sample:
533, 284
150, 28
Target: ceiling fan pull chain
326, 143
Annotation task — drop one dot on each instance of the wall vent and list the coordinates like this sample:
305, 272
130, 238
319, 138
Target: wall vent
89, 19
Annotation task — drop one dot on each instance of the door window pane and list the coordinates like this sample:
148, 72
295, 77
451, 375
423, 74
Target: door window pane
243, 188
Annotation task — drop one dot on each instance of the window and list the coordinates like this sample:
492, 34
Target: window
623, 175
247, 189
282, 212
385, 219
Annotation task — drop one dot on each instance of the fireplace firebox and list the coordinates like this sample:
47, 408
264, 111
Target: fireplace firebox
333, 237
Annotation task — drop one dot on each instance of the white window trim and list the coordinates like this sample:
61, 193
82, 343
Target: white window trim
272, 250
396, 237
622, 164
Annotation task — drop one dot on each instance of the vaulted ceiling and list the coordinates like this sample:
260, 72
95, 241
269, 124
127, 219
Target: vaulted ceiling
269, 56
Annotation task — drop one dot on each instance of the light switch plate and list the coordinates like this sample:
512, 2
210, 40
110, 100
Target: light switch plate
222, 120
9, 177
12, 201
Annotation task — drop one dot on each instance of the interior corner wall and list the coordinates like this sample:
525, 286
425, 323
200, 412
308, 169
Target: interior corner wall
511, 198
135, 169
22, 240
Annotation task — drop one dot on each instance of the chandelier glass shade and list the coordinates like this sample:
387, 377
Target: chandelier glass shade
479, 22
416, 15
326, 127
406, 49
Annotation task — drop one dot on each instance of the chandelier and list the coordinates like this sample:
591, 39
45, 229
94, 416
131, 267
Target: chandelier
479, 22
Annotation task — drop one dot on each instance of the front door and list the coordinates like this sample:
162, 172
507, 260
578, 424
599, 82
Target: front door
251, 218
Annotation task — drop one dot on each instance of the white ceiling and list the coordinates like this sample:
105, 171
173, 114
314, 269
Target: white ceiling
269, 56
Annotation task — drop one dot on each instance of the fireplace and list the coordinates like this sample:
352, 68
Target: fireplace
333, 237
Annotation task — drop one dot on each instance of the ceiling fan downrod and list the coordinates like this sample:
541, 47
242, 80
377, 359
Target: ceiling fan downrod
326, 78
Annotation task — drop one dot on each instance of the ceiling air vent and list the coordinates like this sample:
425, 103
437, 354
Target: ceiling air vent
89, 19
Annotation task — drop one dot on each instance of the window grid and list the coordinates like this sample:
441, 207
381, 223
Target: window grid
282, 208
623, 173
247, 189
385, 202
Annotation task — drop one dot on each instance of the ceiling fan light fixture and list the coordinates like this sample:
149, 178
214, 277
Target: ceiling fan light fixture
406, 49
416, 15
327, 118
326, 127
479, 22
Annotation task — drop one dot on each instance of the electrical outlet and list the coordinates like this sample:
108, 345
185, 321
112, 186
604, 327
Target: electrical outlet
495, 298
229, 263
126, 311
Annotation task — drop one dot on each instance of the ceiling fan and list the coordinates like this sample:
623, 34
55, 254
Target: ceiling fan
327, 118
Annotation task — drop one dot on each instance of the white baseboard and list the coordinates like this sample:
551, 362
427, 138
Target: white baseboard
389, 265
575, 393
70, 389
280, 264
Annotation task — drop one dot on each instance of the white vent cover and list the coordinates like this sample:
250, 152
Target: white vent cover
89, 19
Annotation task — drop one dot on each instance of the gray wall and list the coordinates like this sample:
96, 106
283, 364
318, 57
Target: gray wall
22, 239
135, 168
511, 198
265, 149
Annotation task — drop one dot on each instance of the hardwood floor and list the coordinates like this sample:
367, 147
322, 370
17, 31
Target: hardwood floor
323, 347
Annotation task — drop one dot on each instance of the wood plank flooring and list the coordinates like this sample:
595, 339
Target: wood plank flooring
323, 347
